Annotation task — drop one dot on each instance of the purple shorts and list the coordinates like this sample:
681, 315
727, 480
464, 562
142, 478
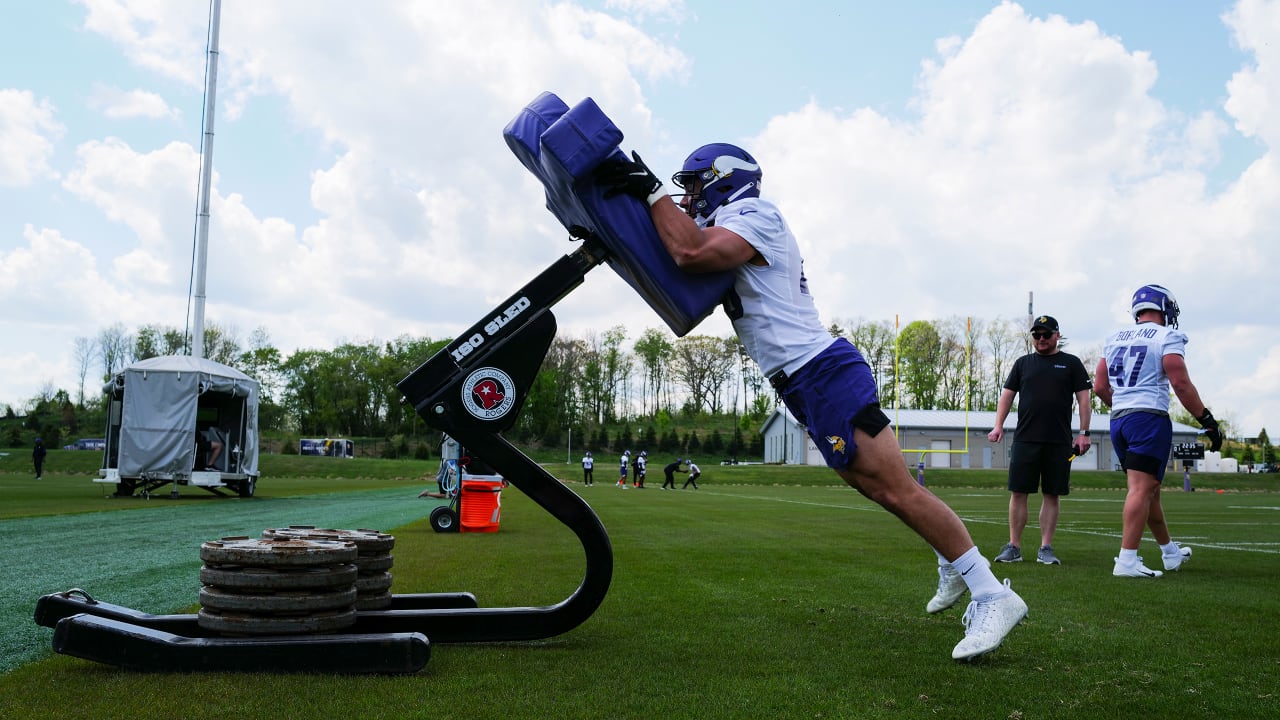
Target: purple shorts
831, 395
1143, 442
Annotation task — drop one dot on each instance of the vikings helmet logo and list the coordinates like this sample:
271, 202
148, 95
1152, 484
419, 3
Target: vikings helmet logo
837, 443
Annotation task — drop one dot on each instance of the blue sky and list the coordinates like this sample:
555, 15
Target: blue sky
936, 159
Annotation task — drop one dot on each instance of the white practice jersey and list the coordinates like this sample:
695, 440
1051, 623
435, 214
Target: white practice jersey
1135, 364
774, 317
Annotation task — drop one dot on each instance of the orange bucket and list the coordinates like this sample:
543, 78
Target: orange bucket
481, 505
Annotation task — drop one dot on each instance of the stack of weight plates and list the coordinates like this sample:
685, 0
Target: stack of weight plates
277, 587
373, 584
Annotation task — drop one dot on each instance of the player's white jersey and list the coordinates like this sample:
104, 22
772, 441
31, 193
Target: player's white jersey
1135, 364
775, 316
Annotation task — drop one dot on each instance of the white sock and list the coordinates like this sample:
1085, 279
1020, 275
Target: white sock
977, 574
1171, 549
943, 562
1128, 557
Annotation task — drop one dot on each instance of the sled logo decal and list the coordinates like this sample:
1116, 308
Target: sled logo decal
488, 393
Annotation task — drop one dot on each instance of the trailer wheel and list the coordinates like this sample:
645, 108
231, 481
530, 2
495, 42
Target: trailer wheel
247, 487
443, 519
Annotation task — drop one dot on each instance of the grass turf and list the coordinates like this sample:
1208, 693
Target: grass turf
771, 591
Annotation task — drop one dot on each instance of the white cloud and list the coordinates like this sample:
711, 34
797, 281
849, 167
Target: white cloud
1037, 158
116, 103
1040, 161
164, 37
28, 130
1254, 101
666, 10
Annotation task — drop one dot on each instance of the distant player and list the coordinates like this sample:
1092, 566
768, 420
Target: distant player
669, 472
622, 470
639, 465
694, 474
588, 478
1138, 367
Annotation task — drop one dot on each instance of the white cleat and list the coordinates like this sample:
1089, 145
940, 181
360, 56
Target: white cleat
1137, 570
987, 623
1173, 562
951, 588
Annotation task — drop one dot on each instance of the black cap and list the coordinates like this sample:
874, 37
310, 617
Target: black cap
1046, 322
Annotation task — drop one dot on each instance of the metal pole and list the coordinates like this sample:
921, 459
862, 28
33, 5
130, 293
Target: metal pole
206, 172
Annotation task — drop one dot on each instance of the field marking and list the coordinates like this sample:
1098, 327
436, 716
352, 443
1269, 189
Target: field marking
1260, 547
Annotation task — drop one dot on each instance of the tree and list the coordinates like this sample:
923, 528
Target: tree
624, 441
617, 368
650, 439
952, 370
84, 351
691, 443
670, 441
147, 342
538, 418
654, 349
262, 363
1268, 452
303, 394
716, 443
604, 371
920, 349
113, 346
220, 344
1004, 343
877, 343
702, 363
562, 361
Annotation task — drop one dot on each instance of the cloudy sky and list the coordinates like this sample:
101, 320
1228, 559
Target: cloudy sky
936, 159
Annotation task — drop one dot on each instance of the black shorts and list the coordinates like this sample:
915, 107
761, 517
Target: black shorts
1037, 466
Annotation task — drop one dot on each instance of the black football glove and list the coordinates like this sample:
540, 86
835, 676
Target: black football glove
625, 177
1211, 430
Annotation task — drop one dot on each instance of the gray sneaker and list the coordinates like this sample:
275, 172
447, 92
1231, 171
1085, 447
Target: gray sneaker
1046, 556
1010, 553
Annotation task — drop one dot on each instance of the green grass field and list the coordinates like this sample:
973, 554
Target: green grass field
770, 592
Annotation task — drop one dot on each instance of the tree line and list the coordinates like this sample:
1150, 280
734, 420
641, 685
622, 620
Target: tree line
586, 383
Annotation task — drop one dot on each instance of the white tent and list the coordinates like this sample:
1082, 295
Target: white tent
158, 411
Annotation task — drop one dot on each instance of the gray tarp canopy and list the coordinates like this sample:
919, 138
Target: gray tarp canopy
158, 421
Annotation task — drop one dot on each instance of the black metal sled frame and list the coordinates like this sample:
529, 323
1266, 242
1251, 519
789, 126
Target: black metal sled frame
507, 348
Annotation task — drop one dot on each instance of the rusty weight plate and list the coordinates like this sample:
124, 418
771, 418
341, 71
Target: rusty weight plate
370, 542
278, 553
236, 577
369, 564
277, 603
375, 601
247, 624
375, 583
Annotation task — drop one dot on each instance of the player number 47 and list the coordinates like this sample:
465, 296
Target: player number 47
1115, 368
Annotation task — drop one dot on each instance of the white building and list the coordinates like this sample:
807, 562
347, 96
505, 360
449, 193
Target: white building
948, 439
